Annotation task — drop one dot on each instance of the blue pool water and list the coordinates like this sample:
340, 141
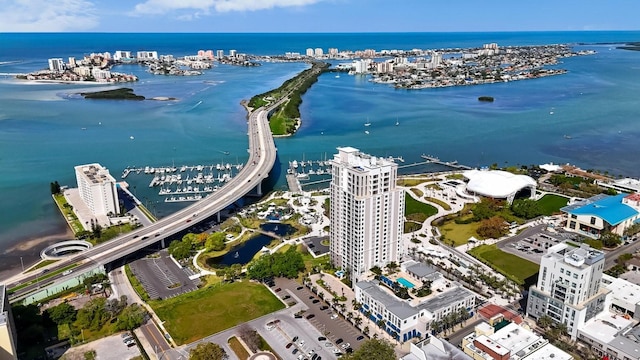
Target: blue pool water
406, 283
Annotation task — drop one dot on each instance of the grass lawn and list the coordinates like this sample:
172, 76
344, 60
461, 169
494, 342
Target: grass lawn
442, 204
551, 204
509, 265
408, 182
417, 192
459, 233
416, 210
206, 311
238, 349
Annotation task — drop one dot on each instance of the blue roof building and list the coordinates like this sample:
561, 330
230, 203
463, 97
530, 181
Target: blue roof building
602, 213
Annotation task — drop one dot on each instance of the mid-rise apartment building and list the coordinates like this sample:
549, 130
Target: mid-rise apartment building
97, 189
568, 288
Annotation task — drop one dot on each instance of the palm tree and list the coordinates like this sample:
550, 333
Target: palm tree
365, 330
562, 329
545, 321
380, 323
358, 321
349, 315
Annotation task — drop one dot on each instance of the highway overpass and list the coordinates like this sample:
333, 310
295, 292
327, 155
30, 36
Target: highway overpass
262, 156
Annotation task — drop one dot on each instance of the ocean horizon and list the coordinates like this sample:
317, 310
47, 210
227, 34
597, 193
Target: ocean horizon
47, 129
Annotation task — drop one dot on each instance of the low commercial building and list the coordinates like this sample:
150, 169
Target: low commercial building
601, 213
626, 185
8, 337
407, 319
433, 348
509, 342
613, 335
624, 296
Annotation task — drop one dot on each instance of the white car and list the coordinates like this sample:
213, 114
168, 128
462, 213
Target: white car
345, 345
334, 316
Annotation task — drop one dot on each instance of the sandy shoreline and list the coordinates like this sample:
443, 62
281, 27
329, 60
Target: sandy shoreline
29, 251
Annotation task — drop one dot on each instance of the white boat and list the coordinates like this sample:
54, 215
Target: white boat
366, 132
337, 76
294, 163
397, 123
236, 255
367, 124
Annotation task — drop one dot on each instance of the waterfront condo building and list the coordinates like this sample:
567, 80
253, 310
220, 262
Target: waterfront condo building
367, 212
97, 189
57, 65
568, 288
8, 337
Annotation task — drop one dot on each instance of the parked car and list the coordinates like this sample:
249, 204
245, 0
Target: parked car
278, 289
289, 345
360, 337
295, 338
315, 301
324, 307
295, 351
321, 338
299, 288
310, 316
339, 341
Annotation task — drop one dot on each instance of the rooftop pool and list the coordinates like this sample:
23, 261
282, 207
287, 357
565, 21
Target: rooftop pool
406, 283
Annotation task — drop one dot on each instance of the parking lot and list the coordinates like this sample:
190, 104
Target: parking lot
338, 331
111, 347
161, 277
533, 242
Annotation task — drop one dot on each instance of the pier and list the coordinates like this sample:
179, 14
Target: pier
454, 164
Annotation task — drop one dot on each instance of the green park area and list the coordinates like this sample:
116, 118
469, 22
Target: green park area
206, 311
551, 204
416, 213
458, 234
509, 265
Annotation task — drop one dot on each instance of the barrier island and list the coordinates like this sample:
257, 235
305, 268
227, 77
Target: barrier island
285, 120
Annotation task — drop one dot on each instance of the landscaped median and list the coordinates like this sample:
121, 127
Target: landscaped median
509, 265
207, 311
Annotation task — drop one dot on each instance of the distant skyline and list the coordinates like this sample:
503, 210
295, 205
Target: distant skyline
230, 16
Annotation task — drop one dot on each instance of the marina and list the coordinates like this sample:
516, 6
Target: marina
186, 183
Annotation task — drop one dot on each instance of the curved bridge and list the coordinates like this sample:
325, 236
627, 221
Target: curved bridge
262, 156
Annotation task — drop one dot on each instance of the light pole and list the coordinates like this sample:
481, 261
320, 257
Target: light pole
22, 263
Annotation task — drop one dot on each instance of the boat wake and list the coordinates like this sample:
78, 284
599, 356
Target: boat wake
196, 105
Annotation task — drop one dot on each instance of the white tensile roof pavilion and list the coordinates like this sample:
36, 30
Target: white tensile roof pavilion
498, 184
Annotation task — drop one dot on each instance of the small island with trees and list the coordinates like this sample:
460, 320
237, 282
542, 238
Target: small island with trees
115, 94
486, 98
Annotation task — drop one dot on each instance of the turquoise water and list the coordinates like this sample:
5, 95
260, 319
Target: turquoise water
41, 136
406, 283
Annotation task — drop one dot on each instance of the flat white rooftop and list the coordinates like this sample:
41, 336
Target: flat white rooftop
549, 352
605, 326
623, 292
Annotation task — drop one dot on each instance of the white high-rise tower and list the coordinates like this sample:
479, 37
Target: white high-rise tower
97, 189
367, 212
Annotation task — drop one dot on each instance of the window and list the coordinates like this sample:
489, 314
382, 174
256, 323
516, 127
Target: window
593, 220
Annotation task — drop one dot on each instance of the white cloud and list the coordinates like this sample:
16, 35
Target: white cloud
46, 15
205, 6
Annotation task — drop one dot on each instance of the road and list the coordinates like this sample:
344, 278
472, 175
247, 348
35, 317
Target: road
262, 155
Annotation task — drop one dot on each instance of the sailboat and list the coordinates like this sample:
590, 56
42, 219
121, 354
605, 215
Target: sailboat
366, 132
397, 122
236, 255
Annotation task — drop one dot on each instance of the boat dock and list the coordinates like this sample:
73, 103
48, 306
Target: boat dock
186, 183
453, 164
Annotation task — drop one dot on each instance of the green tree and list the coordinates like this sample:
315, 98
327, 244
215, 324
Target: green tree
494, 227
372, 349
215, 241
131, 317
93, 315
62, 314
610, 239
544, 321
54, 187
207, 351
526, 208
180, 249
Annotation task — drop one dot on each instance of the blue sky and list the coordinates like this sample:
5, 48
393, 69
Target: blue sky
316, 15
